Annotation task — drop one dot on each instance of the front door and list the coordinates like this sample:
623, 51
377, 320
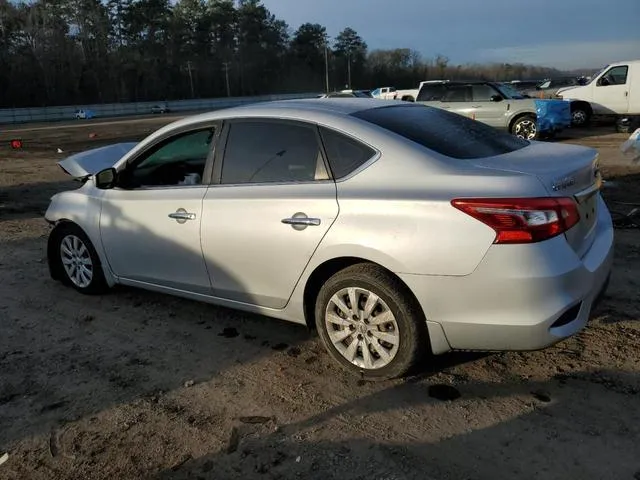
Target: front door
611, 92
486, 106
150, 223
273, 204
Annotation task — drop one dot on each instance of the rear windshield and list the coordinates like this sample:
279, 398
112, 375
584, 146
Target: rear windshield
444, 132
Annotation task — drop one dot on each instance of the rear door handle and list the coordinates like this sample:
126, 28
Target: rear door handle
306, 221
300, 221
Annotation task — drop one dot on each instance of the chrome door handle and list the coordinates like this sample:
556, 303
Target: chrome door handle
300, 221
181, 215
306, 221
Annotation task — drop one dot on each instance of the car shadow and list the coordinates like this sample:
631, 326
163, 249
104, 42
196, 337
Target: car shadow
559, 436
55, 339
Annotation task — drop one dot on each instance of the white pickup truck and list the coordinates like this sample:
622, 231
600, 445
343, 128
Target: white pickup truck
390, 93
614, 91
385, 93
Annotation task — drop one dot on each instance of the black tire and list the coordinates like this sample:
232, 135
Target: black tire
521, 120
627, 124
408, 98
580, 116
97, 283
411, 324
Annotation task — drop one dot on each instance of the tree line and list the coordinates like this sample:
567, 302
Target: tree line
66, 52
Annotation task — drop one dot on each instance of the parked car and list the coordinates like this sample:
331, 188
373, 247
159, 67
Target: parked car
613, 92
348, 94
82, 114
549, 87
385, 93
523, 86
396, 229
160, 109
495, 104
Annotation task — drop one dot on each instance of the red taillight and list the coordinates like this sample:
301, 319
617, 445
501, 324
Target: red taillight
522, 220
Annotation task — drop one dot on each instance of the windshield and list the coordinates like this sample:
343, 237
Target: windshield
597, 74
510, 92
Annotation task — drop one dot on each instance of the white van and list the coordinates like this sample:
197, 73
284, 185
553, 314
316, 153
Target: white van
613, 91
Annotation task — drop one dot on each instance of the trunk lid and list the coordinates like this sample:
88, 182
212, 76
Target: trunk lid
565, 171
83, 164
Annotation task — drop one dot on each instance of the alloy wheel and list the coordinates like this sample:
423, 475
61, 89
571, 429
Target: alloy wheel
525, 129
76, 261
362, 328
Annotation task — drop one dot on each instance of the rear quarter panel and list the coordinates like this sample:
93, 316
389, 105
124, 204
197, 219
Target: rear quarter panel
398, 213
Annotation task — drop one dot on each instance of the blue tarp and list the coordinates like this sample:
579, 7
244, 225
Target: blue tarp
553, 115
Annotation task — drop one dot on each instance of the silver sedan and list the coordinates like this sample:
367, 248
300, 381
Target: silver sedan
395, 229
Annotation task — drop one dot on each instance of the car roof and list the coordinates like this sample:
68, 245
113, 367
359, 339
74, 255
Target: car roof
294, 108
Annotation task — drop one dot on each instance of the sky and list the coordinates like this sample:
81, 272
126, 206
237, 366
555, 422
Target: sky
566, 34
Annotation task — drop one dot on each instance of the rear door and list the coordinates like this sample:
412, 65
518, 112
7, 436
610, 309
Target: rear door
272, 202
458, 99
611, 92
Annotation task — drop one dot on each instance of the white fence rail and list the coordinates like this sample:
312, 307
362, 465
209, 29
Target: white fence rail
51, 114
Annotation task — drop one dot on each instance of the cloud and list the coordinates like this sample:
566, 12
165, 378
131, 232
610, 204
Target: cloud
566, 55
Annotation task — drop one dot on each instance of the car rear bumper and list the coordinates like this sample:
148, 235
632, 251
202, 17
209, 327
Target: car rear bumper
520, 297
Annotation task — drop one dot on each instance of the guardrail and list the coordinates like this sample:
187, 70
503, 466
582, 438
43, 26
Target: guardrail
52, 114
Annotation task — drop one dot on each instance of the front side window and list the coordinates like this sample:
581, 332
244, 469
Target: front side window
272, 152
615, 76
483, 93
179, 160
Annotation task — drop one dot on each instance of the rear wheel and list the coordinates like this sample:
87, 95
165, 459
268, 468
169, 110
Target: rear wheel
369, 322
74, 261
525, 127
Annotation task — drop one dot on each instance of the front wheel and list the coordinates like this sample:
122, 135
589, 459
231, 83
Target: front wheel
369, 323
579, 117
525, 127
74, 261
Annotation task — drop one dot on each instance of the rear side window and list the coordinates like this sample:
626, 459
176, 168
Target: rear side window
458, 93
344, 153
265, 152
431, 93
443, 132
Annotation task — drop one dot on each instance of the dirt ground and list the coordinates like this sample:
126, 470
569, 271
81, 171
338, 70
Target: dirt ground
138, 385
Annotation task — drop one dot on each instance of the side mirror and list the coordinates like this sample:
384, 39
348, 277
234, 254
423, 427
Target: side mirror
496, 98
106, 179
604, 82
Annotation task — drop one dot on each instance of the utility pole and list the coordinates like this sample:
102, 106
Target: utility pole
226, 76
193, 95
349, 68
326, 66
